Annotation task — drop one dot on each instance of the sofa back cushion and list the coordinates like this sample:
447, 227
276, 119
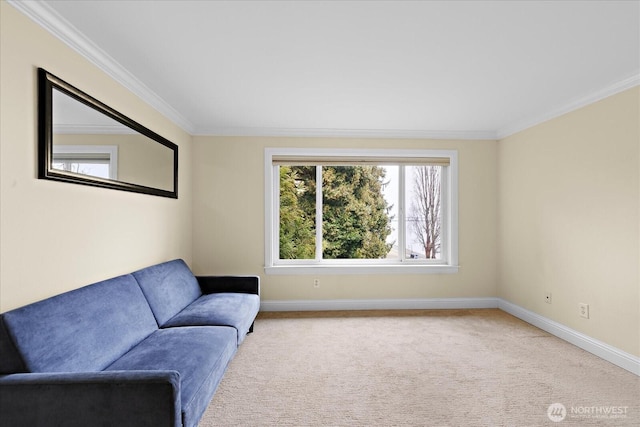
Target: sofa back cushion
86, 329
169, 287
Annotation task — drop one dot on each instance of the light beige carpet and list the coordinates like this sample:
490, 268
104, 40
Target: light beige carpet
417, 368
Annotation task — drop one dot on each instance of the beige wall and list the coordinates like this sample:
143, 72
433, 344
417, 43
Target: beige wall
569, 219
229, 221
55, 236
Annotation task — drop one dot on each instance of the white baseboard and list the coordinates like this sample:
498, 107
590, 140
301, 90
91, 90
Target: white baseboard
378, 304
605, 351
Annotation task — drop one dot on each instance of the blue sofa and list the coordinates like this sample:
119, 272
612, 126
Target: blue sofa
143, 349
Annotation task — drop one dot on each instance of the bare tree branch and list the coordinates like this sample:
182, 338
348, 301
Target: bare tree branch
426, 209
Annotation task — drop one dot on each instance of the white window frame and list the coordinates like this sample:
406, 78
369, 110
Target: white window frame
449, 263
108, 153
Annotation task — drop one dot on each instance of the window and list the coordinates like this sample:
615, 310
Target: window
99, 161
359, 211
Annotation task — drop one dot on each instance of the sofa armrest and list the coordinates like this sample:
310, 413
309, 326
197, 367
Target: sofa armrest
109, 398
236, 284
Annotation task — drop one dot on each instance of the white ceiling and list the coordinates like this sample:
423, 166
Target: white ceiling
474, 69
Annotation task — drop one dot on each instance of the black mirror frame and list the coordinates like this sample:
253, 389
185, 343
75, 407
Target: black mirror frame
46, 83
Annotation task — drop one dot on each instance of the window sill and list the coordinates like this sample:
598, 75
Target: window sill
359, 269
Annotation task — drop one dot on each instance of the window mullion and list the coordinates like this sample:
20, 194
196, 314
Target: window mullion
318, 213
275, 247
444, 214
401, 215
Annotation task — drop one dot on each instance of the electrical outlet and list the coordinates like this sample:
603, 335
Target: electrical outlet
547, 297
584, 310
316, 283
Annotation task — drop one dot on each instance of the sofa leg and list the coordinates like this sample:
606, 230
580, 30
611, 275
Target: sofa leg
251, 327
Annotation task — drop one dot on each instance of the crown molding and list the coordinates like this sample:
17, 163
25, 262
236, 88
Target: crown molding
43, 15
349, 133
612, 89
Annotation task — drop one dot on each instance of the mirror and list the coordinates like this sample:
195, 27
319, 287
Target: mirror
83, 141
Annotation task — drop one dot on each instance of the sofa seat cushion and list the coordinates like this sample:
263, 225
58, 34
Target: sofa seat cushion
83, 330
222, 309
169, 287
199, 354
